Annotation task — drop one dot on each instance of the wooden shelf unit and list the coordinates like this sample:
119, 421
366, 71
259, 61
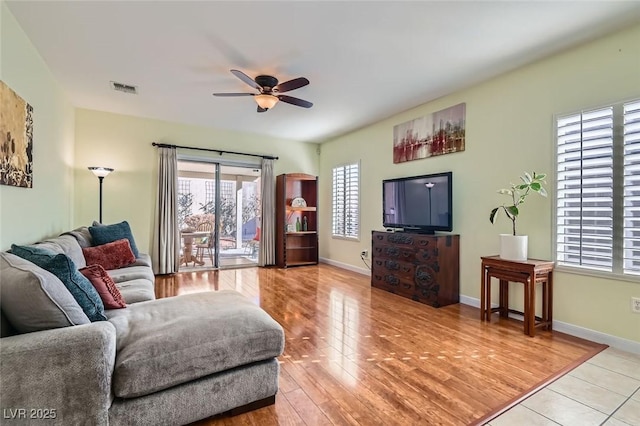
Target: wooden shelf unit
296, 248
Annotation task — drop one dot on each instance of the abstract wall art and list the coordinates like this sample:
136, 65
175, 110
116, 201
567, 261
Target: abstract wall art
442, 132
16, 139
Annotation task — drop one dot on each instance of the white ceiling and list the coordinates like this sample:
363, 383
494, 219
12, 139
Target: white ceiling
365, 60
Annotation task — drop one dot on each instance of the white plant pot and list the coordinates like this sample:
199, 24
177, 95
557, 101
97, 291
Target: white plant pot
513, 247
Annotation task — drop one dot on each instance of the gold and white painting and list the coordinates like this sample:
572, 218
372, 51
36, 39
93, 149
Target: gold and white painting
16, 131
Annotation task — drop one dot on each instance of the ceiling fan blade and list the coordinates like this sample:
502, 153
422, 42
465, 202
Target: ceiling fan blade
296, 83
233, 94
260, 109
242, 76
295, 101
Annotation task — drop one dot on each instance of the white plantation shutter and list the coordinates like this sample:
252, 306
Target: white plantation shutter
598, 189
631, 251
585, 190
346, 201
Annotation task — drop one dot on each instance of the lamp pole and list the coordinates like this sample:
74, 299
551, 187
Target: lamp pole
101, 173
430, 186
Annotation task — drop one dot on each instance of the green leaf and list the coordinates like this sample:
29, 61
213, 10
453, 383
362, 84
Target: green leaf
492, 216
536, 186
540, 177
527, 177
513, 210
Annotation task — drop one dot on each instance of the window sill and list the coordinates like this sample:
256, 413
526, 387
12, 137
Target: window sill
597, 274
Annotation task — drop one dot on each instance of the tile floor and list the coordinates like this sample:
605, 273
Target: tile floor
603, 391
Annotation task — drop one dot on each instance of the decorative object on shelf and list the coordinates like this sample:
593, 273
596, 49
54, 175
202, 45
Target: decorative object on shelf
298, 202
16, 147
305, 224
513, 246
291, 227
101, 173
441, 132
298, 225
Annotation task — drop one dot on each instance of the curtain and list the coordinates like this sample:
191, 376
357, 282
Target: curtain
268, 236
165, 252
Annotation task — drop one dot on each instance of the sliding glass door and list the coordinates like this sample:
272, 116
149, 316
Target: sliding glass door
218, 214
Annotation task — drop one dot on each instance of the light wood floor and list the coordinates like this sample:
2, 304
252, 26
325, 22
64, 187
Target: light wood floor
358, 355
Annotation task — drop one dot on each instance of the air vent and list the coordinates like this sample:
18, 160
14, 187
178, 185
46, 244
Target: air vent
126, 88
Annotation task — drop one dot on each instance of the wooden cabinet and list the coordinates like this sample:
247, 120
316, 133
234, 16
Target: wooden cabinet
296, 221
424, 268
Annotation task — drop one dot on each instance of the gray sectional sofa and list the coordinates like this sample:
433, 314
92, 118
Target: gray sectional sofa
156, 362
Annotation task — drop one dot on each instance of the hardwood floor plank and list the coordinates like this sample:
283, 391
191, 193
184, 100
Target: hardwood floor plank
358, 355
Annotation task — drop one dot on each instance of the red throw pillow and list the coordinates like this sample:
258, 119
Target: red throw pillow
107, 289
110, 256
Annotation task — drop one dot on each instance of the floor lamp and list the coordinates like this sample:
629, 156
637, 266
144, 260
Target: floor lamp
101, 172
429, 186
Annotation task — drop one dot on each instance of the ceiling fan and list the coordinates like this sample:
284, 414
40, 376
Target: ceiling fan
269, 90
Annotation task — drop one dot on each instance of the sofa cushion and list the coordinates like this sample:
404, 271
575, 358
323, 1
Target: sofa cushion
63, 267
107, 289
112, 255
134, 291
64, 244
132, 273
82, 236
34, 299
170, 341
103, 234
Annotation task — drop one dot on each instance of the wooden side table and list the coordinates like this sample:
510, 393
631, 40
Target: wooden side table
529, 273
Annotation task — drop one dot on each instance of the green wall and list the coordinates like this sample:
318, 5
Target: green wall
509, 130
124, 143
27, 215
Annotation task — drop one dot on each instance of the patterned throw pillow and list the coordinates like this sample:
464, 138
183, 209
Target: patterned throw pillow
105, 286
67, 272
110, 256
104, 234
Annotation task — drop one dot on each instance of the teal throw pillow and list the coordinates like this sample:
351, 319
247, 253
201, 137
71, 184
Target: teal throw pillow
62, 267
103, 234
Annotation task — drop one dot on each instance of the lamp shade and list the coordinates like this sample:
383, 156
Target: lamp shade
266, 101
100, 171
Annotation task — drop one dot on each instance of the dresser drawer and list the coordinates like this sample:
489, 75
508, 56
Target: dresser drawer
391, 282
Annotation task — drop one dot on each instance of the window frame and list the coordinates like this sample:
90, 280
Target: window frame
617, 272
343, 236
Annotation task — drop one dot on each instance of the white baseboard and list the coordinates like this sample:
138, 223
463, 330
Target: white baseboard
577, 331
363, 271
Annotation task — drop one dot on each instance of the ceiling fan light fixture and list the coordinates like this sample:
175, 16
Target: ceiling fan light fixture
266, 101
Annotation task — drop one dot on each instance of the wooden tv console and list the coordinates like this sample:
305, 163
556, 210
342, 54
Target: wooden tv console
421, 267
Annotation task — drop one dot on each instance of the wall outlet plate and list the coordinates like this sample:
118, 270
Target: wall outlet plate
635, 305
364, 253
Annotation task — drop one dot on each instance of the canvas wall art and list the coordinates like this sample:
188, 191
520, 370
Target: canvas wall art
442, 132
16, 131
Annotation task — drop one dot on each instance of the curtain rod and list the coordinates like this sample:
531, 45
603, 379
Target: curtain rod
164, 145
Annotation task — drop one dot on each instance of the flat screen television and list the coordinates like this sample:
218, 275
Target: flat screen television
418, 203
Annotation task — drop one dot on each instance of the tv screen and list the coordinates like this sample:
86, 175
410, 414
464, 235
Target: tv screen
420, 203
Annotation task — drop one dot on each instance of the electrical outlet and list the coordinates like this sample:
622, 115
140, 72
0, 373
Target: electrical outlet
364, 253
635, 305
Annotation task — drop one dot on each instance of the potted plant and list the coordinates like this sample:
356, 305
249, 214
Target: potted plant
513, 246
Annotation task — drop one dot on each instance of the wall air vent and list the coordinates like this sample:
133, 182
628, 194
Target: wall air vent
126, 88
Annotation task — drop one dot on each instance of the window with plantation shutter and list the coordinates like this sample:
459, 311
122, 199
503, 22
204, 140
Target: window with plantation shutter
598, 189
346, 201
631, 184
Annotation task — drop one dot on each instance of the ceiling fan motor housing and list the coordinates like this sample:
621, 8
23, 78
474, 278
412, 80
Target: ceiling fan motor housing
266, 82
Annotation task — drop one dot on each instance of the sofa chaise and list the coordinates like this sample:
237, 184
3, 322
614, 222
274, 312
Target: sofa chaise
168, 361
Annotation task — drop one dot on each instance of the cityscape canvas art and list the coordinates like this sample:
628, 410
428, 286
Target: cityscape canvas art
16, 131
442, 132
